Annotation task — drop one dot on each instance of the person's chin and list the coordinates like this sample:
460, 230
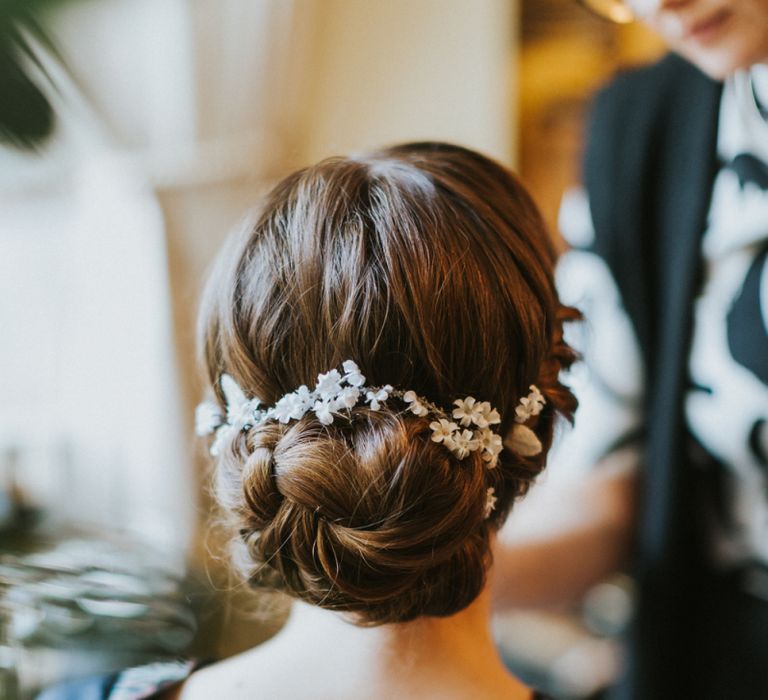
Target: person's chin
718, 63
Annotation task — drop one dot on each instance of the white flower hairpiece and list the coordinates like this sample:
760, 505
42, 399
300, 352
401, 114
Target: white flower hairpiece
521, 439
490, 502
335, 392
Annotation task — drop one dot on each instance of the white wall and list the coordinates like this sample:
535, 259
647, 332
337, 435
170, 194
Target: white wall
400, 70
180, 113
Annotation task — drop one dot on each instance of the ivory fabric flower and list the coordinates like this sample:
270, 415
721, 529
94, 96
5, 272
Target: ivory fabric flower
463, 443
530, 405
492, 446
415, 406
240, 409
322, 410
328, 384
376, 397
490, 502
222, 435
208, 417
443, 430
348, 397
352, 374
233, 394
290, 407
537, 400
466, 411
488, 415
243, 415
490, 441
479, 412
410, 397
304, 394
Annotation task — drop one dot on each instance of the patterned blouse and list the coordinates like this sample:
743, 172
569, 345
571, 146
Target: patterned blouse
138, 683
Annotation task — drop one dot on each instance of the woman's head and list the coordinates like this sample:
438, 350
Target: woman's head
430, 266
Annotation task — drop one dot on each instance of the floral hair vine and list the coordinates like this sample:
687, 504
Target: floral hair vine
468, 428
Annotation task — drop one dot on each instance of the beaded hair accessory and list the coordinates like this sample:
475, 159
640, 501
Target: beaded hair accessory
468, 428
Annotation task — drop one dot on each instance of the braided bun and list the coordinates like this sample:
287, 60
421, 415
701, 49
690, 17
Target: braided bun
430, 266
349, 517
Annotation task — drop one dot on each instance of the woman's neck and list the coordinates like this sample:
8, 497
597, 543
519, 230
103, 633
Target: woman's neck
425, 641
452, 657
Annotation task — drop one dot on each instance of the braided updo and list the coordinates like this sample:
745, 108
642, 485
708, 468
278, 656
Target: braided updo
429, 265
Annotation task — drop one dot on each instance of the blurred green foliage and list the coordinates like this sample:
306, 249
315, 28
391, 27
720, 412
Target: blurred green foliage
26, 115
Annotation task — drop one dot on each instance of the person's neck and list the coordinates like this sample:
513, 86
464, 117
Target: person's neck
428, 657
466, 634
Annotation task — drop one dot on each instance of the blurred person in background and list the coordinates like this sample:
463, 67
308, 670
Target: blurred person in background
668, 264
408, 282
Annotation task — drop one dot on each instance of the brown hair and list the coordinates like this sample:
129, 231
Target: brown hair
430, 266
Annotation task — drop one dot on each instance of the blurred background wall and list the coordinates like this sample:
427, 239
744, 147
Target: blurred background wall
565, 55
171, 118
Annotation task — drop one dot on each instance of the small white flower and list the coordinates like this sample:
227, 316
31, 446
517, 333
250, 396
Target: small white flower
290, 407
328, 384
492, 446
233, 395
530, 405
352, 373
348, 397
376, 397
208, 418
442, 430
416, 406
464, 442
488, 415
490, 502
244, 415
479, 414
466, 412
489, 440
222, 435
350, 367
304, 394
537, 398
240, 410
322, 410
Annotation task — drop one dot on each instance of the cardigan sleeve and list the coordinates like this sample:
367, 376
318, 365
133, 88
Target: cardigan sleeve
608, 382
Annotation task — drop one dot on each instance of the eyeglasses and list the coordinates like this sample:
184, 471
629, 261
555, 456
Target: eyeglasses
620, 11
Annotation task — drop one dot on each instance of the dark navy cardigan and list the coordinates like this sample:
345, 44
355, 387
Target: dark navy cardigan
649, 171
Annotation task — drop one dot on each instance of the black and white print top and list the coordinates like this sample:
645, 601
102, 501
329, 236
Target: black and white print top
726, 405
136, 683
